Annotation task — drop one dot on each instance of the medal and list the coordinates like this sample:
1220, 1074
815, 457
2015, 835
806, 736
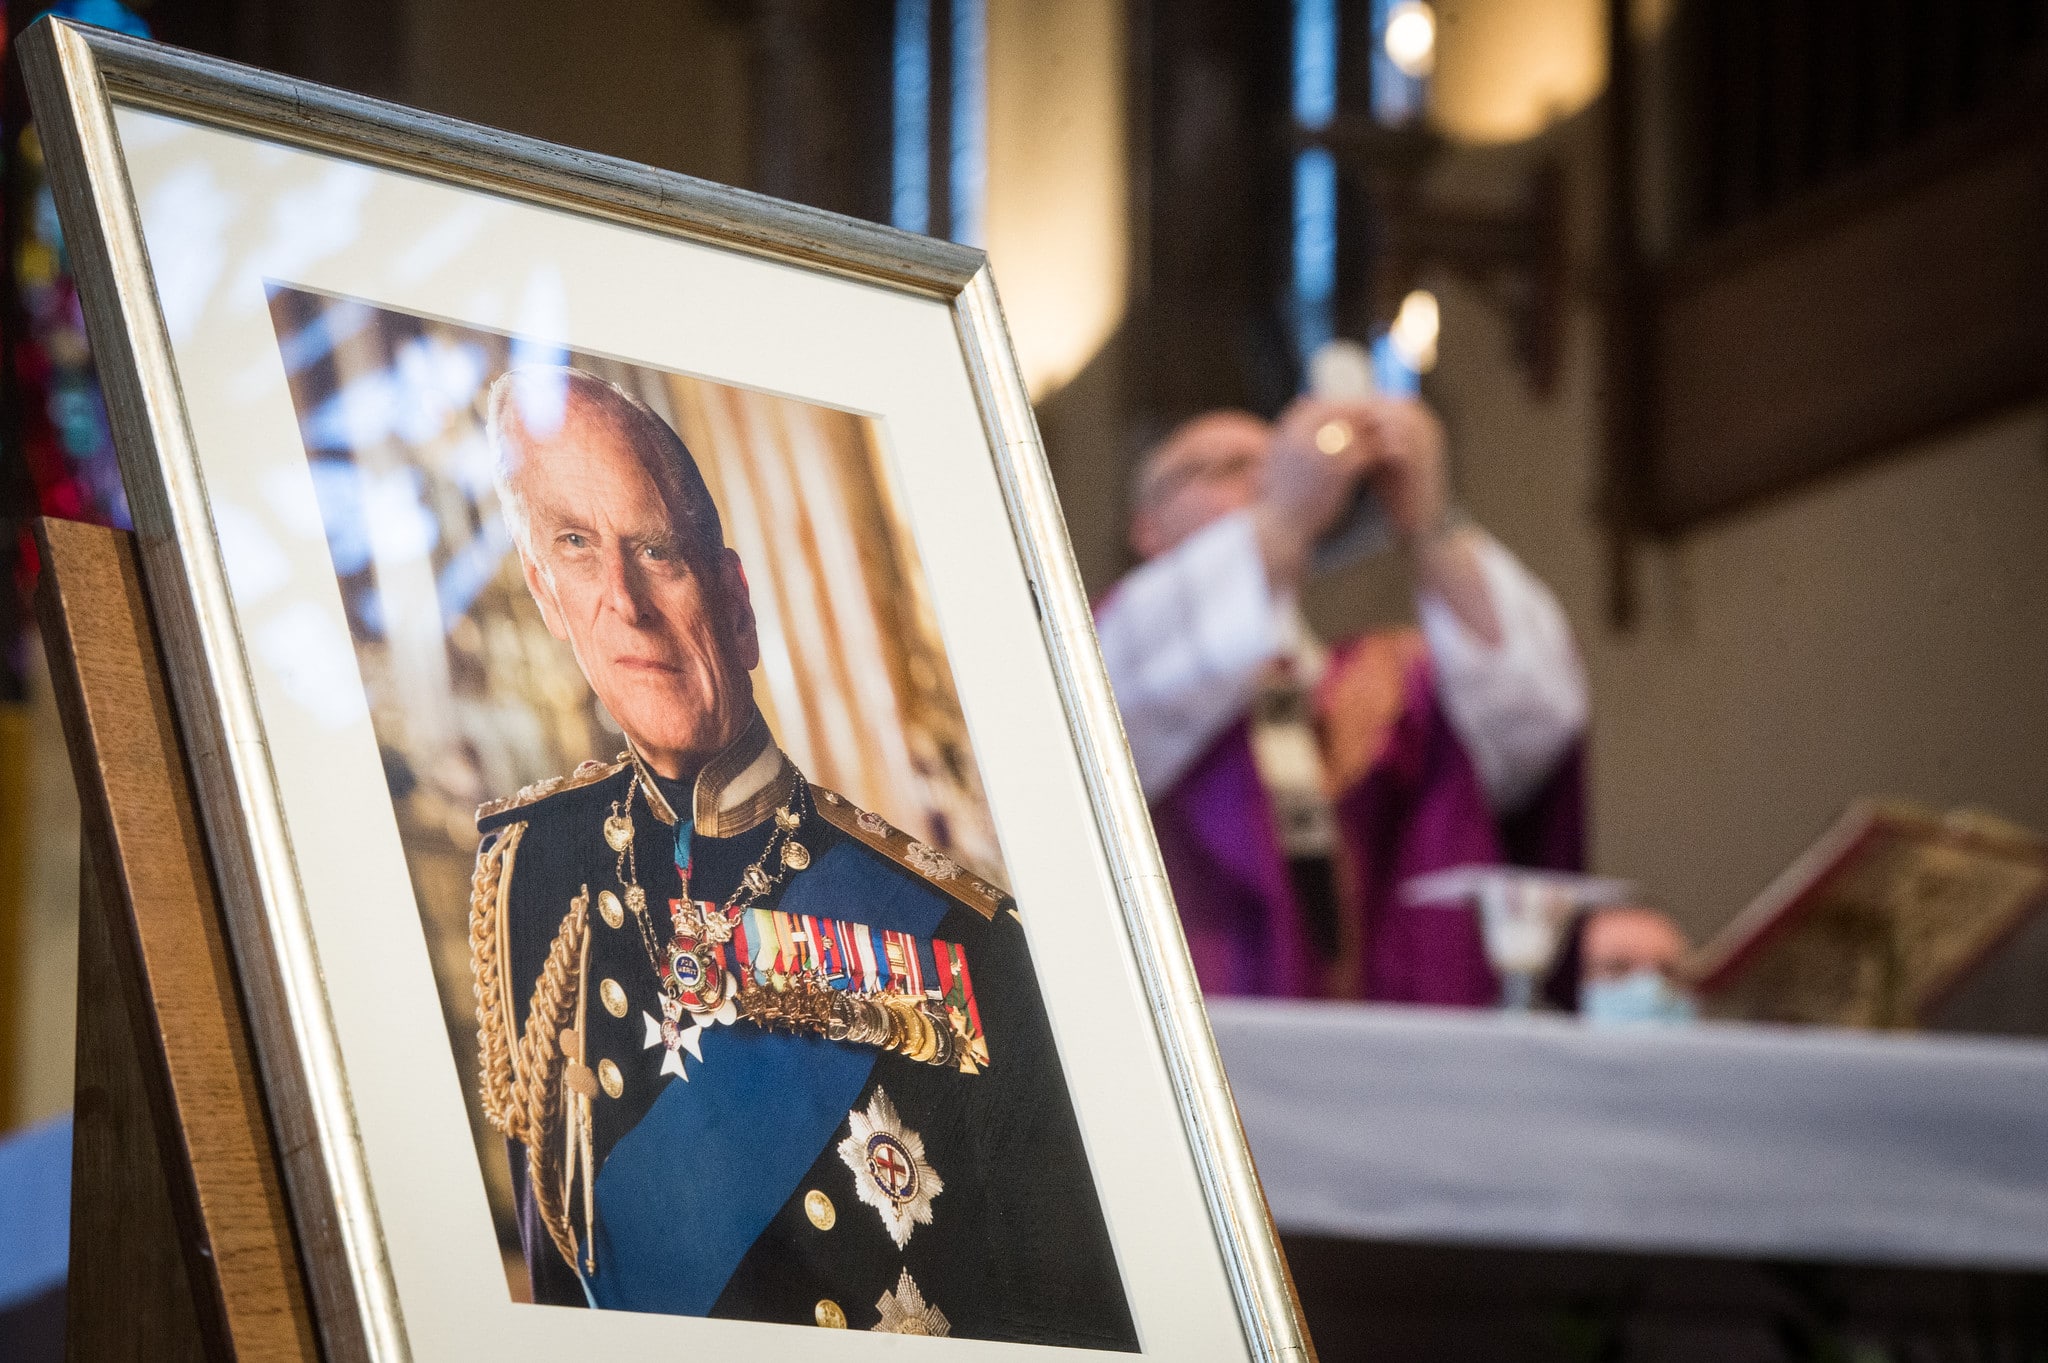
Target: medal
696, 984
696, 980
905, 1312
618, 832
889, 1169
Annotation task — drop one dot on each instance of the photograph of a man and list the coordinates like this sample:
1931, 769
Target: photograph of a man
757, 1053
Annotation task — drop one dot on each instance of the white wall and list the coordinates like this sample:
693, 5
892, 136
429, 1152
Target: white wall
1881, 633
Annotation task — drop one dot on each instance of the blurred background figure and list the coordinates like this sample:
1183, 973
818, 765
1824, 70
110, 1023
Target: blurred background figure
1630, 967
1295, 785
1621, 963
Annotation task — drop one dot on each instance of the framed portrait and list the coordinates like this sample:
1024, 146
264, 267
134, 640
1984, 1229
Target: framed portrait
684, 868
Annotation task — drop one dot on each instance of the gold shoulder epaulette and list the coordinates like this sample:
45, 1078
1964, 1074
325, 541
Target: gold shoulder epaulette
928, 862
587, 773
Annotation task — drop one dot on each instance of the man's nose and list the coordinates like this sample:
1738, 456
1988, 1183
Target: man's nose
623, 587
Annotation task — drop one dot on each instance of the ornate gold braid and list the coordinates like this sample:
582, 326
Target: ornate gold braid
537, 1077
493, 1027
520, 1087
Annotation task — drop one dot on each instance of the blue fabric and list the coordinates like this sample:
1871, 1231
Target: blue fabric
670, 1244
35, 1210
1641, 996
684, 830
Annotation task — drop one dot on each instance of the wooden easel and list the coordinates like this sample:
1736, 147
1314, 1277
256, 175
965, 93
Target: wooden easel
181, 1238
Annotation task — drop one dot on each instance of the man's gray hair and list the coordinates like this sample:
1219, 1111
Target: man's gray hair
533, 402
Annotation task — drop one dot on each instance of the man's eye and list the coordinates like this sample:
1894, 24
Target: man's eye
572, 540
660, 553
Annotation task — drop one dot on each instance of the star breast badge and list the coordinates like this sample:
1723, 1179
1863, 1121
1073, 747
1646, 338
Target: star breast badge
889, 1168
904, 1312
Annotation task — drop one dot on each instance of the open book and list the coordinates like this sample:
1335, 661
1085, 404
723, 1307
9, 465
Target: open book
1876, 922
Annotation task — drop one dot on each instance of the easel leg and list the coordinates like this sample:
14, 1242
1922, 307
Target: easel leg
182, 1242
129, 1295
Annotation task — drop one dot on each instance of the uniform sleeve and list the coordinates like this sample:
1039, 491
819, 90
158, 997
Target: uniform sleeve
1185, 638
553, 1282
1048, 1241
1517, 707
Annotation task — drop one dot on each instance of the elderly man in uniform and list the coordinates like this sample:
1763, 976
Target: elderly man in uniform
1296, 787
757, 1053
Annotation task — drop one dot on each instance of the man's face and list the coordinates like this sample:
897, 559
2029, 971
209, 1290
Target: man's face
1620, 942
1211, 468
663, 631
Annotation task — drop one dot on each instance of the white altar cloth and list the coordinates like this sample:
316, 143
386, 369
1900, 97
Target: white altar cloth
1437, 1125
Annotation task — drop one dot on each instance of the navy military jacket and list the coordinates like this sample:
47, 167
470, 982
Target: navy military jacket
747, 1186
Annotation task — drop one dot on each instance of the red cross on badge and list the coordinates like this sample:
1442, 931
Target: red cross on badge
891, 1166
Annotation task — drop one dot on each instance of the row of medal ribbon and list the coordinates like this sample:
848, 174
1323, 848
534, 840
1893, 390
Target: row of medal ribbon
857, 957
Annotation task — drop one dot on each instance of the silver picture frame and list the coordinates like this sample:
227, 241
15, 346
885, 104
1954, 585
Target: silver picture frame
77, 76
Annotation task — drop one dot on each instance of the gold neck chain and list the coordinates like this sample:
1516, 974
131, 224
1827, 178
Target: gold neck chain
689, 926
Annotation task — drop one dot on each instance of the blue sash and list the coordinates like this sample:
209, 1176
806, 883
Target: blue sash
683, 1196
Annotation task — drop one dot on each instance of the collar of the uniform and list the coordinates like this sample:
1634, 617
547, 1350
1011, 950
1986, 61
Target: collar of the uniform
737, 789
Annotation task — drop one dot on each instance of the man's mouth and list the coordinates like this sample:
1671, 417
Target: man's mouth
642, 664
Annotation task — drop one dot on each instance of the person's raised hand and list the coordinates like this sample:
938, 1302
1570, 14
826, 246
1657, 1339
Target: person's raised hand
1405, 461
1319, 451
1407, 469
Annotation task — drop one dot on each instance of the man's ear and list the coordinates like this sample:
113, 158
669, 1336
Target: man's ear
746, 634
543, 593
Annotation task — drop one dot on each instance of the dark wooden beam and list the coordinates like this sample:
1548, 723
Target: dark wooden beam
1887, 309
1626, 304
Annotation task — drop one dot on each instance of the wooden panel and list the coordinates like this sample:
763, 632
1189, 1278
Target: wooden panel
1861, 327
1441, 1303
128, 1293
168, 968
1782, 97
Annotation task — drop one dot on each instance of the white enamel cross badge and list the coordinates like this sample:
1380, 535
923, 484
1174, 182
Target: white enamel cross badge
682, 1030
889, 1168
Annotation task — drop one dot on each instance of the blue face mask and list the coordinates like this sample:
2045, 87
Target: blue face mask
1642, 996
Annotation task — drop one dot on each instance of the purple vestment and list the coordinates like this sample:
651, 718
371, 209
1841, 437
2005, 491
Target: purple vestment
1408, 802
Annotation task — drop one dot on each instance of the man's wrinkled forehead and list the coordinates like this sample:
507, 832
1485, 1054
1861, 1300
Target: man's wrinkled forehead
551, 470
